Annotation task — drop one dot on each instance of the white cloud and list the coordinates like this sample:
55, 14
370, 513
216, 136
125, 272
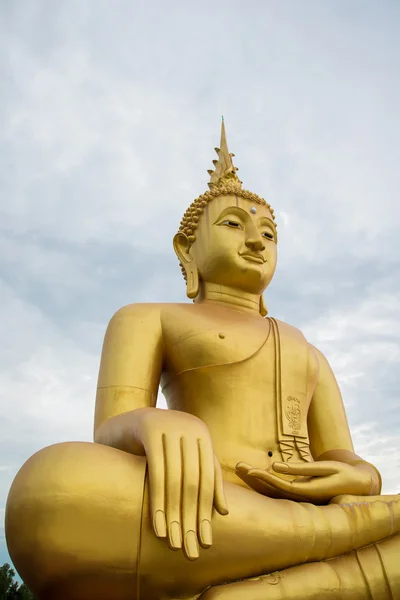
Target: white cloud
47, 381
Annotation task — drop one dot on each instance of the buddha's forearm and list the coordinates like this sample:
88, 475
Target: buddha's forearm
350, 458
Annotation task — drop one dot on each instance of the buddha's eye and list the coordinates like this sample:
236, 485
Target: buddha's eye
268, 235
230, 223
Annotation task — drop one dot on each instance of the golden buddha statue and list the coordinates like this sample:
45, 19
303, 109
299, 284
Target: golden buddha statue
248, 487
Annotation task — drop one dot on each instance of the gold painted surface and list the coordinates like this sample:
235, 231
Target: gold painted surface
248, 486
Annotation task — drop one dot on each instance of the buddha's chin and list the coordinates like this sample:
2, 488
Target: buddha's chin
248, 277
253, 278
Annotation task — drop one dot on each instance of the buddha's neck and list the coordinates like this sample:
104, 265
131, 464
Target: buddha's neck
227, 296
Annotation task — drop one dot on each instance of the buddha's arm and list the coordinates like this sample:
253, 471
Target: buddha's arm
329, 433
129, 376
185, 477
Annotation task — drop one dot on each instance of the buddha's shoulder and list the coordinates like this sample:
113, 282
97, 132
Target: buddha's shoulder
151, 311
313, 351
294, 331
288, 328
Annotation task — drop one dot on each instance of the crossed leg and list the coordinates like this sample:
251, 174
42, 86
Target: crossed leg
78, 528
371, 572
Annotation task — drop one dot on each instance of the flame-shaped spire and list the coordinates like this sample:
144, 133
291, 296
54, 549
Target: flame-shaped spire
224, 171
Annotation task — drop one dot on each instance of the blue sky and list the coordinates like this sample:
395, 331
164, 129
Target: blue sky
112, 111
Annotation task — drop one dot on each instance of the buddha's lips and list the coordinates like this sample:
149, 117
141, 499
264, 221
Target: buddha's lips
254, 257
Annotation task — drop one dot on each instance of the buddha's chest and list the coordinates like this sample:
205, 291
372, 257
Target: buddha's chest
198, 339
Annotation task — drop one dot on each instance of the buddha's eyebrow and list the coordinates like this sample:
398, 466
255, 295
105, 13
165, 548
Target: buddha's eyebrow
267, 221
233, 210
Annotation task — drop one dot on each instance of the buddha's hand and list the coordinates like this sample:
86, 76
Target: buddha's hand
316, 482
184, 475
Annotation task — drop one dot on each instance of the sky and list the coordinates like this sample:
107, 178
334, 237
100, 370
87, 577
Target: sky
109, 115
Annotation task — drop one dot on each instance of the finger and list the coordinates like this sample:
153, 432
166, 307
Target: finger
155, 463
268, 488
273, 480
173, 478
220, 503
190, 495
206, 492
243, 467
302, 489
259, 485
314, 469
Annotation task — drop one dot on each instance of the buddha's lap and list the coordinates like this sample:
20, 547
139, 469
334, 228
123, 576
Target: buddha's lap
92, 478
83, 503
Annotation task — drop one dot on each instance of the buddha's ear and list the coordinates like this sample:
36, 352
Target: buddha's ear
182, 250
182, 247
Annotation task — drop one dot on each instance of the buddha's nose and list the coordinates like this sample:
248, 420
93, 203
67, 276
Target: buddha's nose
255, 243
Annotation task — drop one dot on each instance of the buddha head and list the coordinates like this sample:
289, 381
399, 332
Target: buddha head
228, 235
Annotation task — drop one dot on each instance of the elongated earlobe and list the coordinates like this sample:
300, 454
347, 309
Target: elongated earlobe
192, 280
263, 308
182, 250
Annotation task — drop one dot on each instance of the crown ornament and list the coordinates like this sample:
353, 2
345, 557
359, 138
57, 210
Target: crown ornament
224, 171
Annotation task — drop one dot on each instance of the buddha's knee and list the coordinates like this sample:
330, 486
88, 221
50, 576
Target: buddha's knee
75, 509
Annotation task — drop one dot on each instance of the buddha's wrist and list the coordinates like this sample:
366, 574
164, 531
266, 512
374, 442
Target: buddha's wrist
122, 432
349, 458
376, 479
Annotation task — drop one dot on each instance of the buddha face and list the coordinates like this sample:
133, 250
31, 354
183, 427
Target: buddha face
235, 244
